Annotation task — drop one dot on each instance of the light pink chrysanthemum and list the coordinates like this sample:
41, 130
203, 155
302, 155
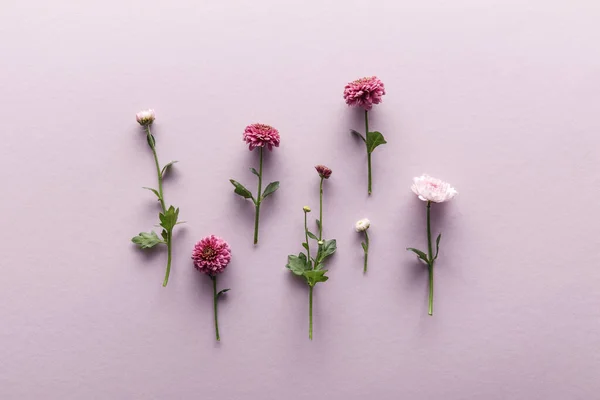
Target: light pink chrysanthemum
211, 255
432, 189
261, 135
364, 92
323, 171
145, 117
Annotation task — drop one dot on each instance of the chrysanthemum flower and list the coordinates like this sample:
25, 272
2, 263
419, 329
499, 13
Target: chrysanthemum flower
432, 189
211, 255
324, 172
261, 135
362, 225
145, 117
364, 92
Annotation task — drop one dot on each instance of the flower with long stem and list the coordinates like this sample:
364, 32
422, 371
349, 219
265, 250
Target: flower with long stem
211, 255
312, 268
168, 216
364, 93
431, 190
258, 136
362, 226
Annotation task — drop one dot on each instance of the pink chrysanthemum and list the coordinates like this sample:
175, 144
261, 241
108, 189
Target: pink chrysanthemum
211, 255
261, 135
364, 92
324, 172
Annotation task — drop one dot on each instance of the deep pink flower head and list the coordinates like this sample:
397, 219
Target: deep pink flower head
323, 171
261, 135
364, 92
211, 255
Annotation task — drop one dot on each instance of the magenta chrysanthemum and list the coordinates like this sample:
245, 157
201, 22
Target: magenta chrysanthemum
364, 92
323, 171
261, 135
211, 255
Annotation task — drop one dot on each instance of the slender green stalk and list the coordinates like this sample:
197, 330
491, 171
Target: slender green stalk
321, 210
430, 256
160, 180
366, 250
368, 152
306, 234
310, 308
169, 257
258, 196
215, 298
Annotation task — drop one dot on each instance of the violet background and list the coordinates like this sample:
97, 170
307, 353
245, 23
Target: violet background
500, 98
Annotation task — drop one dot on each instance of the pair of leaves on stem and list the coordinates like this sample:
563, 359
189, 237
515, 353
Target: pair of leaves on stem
245, 193
162, 175
372, 140
423, 257
168, 220
300, 265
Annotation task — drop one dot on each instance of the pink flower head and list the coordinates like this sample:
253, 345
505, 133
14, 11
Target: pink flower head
432, 189
261, 135
364, 92
323, 171
145, 117
211, 255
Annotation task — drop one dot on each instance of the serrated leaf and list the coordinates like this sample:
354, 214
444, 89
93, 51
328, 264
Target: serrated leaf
241, 190
312, 236
168, 219
166, 168
328, 248
419, 254
270, 189
319, 267
364, 246
437, 246
254, 171
298, 264
357, 133
374, 139
315, 276
223, 292
153, 191
151, 140
147, 240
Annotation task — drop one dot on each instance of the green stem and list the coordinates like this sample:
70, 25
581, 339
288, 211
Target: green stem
215, 298
366, 251
368, 153
321, 210
169, 257
160, 181
258, 197
306, 234
430, 256
310, 307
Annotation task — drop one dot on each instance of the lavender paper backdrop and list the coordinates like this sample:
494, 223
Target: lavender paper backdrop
498, 97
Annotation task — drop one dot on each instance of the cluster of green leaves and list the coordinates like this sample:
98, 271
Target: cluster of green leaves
168, 220
372, 140
312, 269
245, 193
421, 255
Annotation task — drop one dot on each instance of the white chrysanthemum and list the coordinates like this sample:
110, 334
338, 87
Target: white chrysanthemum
145, 117
432, 189
362, 225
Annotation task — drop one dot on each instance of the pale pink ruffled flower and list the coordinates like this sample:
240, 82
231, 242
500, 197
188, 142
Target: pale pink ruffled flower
364, 92
432, 189
145, 117
211, 255
261, 135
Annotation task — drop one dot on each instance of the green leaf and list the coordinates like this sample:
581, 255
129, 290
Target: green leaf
254, 171
319, 267
357, 133
374, 139
270, 189
153, 191
305, 245
223, 292
364, 246
318, 224
419, 254
315, 276
151, 141
168, 219
298, 264
147, 240
165, 235
437, 246
241, 190
312, 236
166, 168
328, 248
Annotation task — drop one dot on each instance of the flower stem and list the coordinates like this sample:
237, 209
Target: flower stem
310, 307
215, 298
321, 210
160, 183
258, 196
169, 257
368, 152
306, 234
430, 257
366, 250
